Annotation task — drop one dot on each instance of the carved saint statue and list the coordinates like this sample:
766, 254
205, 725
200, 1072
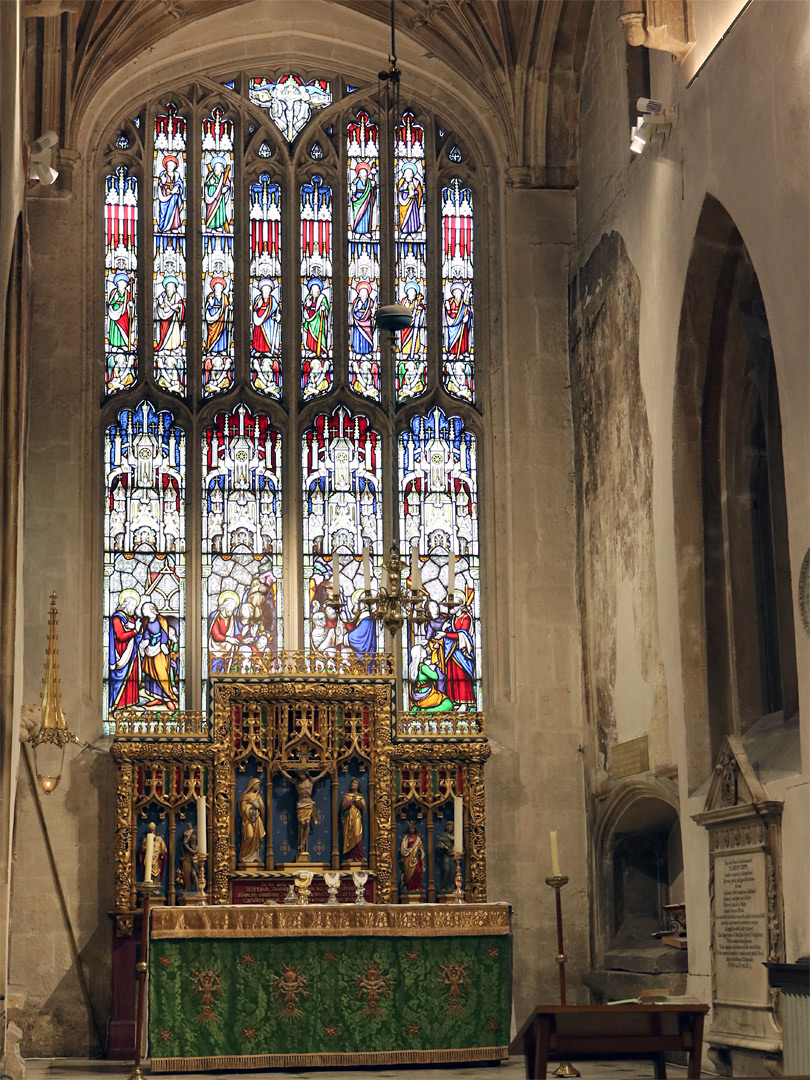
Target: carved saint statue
305, 808
352, 808
251, 811
159, 854
447, 865
412, 853
188, 868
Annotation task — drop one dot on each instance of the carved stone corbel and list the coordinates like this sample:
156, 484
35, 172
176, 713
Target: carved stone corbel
665, 25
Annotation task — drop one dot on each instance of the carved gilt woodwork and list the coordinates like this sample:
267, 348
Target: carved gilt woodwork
290, 713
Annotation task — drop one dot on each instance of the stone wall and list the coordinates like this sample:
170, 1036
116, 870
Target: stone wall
741, 136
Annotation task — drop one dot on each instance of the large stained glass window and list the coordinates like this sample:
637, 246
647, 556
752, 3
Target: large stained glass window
265, 286
410, 236
241, 540
342, 515
217, 252
169, 272
280, 204
144, 563
120, 280
290, 101
363, 165
438, 507
457, 295
316, 287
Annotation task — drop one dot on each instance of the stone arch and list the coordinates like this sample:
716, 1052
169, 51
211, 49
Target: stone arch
736, 621
641, 809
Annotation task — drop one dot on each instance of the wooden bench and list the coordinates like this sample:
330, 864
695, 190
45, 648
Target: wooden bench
594, 1032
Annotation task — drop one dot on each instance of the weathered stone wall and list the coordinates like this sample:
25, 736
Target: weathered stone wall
741, 136
625, 691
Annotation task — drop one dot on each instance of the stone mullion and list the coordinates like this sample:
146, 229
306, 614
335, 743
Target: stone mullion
340, 259
291, 453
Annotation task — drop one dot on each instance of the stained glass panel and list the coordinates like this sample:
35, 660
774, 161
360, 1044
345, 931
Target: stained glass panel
342, 514
316, 287
290, 102
169, 200
241, 533
217, 253
438, 508
144, 563
265, 286
458, 366
120, 280
363, 182
411, 256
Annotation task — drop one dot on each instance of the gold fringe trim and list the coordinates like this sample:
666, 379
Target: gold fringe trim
341, 932
317, 920
289, 1061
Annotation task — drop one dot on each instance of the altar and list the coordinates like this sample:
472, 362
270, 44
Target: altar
249, 987
316, 865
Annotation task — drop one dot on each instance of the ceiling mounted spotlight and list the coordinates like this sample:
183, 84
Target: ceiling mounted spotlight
39, 158
653, 124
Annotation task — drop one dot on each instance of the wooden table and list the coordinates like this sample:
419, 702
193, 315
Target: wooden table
598, 1032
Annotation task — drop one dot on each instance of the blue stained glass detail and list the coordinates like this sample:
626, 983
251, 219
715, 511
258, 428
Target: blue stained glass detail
229, 85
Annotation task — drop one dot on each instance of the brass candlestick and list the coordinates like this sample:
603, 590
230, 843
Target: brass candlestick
557, 881
200, 861
146, 889
458, 895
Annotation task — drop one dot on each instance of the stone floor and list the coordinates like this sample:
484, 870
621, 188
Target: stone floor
76, 1069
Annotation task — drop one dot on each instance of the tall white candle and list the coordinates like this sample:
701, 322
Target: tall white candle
148, 858
416, 573
366, 570
202, 826
458, 823
335, 574
451, 575
555, 858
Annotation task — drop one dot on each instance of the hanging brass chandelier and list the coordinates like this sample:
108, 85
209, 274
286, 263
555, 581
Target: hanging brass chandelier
53, 736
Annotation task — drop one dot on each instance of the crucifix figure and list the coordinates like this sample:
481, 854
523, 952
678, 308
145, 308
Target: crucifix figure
305, 808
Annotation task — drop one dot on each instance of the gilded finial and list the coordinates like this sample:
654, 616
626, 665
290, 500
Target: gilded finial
54, 727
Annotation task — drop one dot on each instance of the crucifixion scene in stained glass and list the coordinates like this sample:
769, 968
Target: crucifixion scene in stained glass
290, 101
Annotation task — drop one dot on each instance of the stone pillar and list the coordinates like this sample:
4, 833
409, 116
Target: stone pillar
531, 638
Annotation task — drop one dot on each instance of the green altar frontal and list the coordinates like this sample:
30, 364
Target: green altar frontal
272, 987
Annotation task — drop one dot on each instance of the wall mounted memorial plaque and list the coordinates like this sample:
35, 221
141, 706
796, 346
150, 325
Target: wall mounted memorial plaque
746, 909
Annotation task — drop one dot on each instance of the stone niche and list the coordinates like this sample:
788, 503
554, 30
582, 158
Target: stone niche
744, 826
639, 871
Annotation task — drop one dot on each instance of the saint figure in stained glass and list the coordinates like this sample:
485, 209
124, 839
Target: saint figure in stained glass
342, 515
121, 265
169, 269
457, 287
439, 514
411, 255
144, 562
364, 254
171, 193
242, 552
265, 285
316, 287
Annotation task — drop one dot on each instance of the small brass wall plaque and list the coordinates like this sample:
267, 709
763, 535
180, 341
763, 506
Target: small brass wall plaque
629, 758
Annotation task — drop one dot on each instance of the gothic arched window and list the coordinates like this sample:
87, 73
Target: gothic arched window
259, 431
